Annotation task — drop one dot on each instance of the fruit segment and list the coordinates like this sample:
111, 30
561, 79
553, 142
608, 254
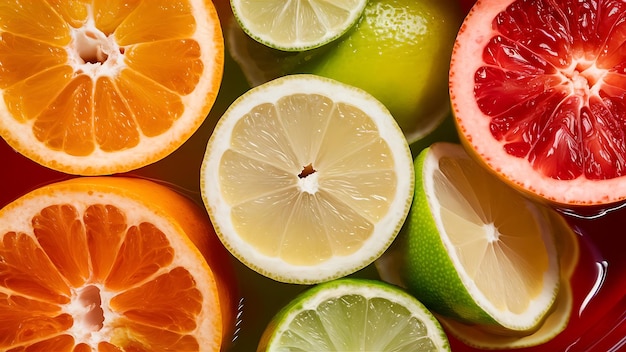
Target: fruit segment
143, 252
36, 21
146, 22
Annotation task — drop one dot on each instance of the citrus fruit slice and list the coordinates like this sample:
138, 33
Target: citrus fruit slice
390, 265
307, 179
475, 249
108, 86
354, 315
398, 52
556, 321
537, 90
109, 264
295, 25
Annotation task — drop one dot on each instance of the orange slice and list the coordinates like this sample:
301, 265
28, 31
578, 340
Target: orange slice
100, 87
112, 264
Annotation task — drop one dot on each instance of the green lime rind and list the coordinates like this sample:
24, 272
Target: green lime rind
429, 273
334, 316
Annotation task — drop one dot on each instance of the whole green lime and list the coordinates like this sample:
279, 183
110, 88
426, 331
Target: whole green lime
400, 53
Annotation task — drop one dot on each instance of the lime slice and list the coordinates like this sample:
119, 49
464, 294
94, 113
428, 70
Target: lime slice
354, 315
293, 25
476, 250
307, 179
390, 265
555, 322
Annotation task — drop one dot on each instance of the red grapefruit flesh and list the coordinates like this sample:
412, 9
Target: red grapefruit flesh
538, 91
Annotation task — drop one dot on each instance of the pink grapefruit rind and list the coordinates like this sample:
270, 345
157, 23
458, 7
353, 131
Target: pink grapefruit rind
474, 126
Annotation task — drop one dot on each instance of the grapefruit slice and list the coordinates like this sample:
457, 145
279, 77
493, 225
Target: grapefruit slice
537, 89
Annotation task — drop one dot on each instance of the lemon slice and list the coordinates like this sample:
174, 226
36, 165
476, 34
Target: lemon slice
295, 25
307, 179
477, 250
354, 315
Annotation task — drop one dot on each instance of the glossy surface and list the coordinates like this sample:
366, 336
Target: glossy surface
598, 320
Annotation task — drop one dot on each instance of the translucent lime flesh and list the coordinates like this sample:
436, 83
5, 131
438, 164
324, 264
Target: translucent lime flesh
355, 315
297, 25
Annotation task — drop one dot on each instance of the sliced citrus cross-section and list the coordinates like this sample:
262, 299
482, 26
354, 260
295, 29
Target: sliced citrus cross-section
537, 89
108, 86
294, 25
307, 179
556, 321
354, 315
109, 264
475, 249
